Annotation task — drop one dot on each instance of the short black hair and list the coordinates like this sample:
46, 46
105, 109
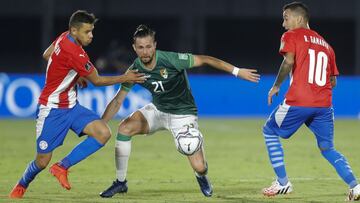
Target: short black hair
300, 8
81, 16
143, 31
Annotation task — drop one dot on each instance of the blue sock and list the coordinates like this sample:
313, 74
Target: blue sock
31, 171
341, 165
81, 152
276, 155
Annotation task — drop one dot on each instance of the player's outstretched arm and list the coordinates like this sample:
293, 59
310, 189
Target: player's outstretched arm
285, 68
244, 73
130, 76
113, 107
47, 53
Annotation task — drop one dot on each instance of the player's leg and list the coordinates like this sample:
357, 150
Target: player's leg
33, 168
142, 121
133, 125
283, 122
51, 129
322, 124
98, 134
83, 121
199, 164
176, 124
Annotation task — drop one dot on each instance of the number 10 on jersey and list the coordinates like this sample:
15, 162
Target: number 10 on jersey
317, 66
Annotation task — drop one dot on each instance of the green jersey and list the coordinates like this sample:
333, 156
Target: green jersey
168, 82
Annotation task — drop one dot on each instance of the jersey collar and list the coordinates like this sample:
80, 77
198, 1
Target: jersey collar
72, 39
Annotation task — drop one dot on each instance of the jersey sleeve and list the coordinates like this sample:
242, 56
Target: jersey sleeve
82, 64
287, 43
127, 86
334, 69
180, 61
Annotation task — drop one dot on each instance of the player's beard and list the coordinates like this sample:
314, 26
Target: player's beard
147, 62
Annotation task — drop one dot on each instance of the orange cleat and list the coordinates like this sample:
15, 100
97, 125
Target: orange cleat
61, 174
17, 192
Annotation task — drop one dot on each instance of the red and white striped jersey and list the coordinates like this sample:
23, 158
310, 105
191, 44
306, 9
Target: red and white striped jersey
66, 64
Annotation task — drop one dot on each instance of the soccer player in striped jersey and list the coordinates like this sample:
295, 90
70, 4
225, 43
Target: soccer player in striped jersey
310, 61
173, 107
59, 109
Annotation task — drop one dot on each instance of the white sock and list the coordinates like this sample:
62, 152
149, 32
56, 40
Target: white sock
122, 153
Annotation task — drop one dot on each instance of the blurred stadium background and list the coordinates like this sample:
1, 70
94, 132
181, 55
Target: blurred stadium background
243, 32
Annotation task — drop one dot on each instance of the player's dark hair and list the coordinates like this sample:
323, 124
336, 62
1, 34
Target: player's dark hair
81, 16
143, 31
298, 7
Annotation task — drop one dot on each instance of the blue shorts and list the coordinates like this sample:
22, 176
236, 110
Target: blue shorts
285, 120
52, 125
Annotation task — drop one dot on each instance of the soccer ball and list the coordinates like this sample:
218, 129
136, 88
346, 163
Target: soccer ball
189, 141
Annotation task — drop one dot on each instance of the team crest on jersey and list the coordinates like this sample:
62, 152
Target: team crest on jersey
183, 56
164, 73
88, 66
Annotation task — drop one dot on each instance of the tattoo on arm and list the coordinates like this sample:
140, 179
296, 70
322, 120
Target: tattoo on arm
284, 71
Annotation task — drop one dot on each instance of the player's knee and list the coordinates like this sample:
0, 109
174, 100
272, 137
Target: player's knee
103, 134
126, 129
106, 133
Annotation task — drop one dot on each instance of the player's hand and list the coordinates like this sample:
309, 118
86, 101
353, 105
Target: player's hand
82, 82
249, 74
273, 91
133, 76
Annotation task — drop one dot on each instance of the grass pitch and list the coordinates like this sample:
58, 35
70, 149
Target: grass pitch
238, 166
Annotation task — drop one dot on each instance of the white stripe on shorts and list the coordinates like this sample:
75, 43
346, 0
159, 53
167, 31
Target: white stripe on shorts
43, 114
281, 113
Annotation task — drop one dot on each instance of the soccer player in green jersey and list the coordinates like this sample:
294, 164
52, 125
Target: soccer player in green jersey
172, 107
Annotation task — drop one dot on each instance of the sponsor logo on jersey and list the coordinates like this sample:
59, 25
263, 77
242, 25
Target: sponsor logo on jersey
164, 73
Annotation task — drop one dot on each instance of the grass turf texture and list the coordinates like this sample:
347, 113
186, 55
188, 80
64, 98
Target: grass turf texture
238, 165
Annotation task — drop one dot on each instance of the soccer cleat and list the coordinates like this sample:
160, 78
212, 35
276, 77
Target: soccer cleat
116, 187
354, 194
277, 189
205, 185
61, 175
17, 192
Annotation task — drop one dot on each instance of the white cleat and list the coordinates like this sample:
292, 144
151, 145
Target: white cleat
277, 189
354, 194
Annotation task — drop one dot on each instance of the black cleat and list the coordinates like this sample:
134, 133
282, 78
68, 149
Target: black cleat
205, 185
116, 187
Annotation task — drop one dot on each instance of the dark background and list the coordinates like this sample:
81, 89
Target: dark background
245, 33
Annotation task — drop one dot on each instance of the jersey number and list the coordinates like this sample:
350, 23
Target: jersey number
158, 86
317, 66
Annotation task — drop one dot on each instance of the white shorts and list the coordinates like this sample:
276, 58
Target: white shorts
158, 120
